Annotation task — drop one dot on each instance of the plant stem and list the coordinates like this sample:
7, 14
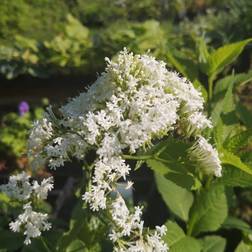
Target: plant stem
210, 87
140, 157
45, 244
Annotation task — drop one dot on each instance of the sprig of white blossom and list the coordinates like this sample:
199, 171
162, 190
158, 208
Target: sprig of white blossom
206, 157
128, 231
134, 102
30, 222
21, 188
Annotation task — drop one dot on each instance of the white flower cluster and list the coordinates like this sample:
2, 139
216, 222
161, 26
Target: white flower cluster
30, 222
130, 225
135, 101
20, 188
206, 157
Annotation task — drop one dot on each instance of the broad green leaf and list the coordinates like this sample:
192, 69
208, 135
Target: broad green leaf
235, 223
208, 211
170, 159
243, 247
177, 240
224, 56
178, 199
213, 244
233, 177
76, 246
173, 172
231, 159
174, 233
188, 244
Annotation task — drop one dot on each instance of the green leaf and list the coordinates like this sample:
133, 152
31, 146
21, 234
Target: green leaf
233, 177
188, 244
76, 246
224, 56
174, 233
170, 159
235, 223
243, 247
178, 199
213, 244
175, 173
208, 211
177, 240
231, 159
223, 117
224, 106
203, 50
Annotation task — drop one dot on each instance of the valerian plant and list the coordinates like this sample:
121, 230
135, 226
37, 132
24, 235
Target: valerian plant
137, 110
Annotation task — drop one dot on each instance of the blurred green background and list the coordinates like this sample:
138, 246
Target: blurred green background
54, 48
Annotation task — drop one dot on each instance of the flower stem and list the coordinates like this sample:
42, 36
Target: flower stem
140, 157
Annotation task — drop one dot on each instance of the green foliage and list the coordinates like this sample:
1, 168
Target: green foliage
235, 177
222, 57
208, 211
170, 159
70, 47
178, 241
243, 247
34, 19
232, 159
7, 238
85, 232
15, 130
235, 223
178, 199
213, 244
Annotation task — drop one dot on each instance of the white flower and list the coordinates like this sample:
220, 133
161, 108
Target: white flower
96, 198
41, 191
18, 187
195, 123
41, 132
31, 223
206, 157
